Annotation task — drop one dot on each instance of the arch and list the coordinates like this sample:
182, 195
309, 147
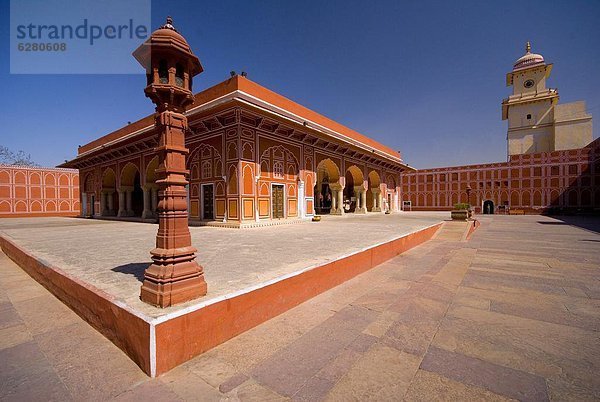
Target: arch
248, 180
232, 186
4, 177
34, 178
131, 182
204, 151
128, 174
151, 171
526, 199
390, 182
573, 198
374, 179
20, 178
20, 206
537, 198
328, 173
64, 206
50, 206
49, 179
554, 198
36, 206
515, 200
357, 175
586, 198
282, 154
109, 179
374, 183
63, 180
5, 206
88, 183
488, 207
329, 170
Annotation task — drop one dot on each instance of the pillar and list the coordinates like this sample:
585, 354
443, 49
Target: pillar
379, 201
111, 206
147, 213
174, 276
361, 200
103, 210
122, 211
340, 195
154, 200
337, 199
376, 200
128, 202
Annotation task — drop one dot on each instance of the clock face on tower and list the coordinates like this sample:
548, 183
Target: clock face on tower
528, 83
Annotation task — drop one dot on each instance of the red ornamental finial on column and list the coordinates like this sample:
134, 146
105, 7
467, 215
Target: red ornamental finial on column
174, 276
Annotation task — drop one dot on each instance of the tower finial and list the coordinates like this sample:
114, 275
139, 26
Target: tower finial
169, 24
528, 47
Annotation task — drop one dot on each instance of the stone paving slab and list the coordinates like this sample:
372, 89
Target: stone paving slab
405, 330
112, 256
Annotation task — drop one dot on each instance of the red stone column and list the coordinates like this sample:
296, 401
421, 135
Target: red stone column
174, 276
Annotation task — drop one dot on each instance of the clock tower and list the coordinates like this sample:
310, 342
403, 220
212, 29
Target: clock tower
536, 122
529, 110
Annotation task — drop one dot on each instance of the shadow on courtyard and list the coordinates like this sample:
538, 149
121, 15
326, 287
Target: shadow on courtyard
135, 268
587, 222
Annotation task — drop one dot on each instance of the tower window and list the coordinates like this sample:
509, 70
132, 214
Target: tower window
528, 117
179, 75
163, 72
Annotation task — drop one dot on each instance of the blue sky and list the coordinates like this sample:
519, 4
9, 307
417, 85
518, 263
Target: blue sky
426, 78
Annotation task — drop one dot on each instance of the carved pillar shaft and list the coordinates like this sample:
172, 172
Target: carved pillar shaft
121, 203
129, 202
111, 207
103, 204
154, 200
174, 276
147, 213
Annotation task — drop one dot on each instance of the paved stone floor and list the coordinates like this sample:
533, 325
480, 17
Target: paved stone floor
514, 313
113, 255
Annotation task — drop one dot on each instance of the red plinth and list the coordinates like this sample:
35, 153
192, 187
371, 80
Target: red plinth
174, 276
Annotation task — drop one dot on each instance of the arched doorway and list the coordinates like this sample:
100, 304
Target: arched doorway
88, 196
354, 193
374, 192
108, 195
488, 207
150, 191
327, 188
131, 195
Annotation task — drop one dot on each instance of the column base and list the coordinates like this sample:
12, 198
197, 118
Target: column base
339, 211
147, 215
360, 211
121, 214
376, 209
173, 278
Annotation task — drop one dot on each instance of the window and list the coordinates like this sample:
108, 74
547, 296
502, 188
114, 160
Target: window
278, 169
529, 117
163, 72
179, 75
573, 169
206, 170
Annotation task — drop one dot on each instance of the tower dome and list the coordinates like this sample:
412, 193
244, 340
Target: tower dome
528, 59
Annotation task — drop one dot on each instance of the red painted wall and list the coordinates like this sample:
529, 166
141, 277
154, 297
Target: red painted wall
33, 191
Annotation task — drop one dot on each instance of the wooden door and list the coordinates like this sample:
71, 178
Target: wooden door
208, 206
277, 202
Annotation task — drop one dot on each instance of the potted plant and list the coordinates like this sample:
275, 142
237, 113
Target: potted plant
316, 218
460, 211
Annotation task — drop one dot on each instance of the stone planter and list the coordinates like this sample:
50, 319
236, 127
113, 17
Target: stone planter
459, 214
316, 218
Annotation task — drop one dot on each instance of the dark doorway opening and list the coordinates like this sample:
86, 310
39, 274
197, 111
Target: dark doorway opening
207, 202
488, 207
137, 196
